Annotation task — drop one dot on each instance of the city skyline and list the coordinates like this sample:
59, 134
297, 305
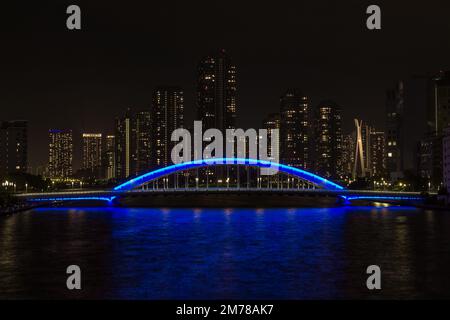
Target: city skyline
78, 132
311, 135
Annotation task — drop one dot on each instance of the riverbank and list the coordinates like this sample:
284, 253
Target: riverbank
19, 208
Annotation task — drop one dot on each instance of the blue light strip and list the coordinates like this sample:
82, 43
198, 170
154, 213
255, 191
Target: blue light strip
109, 200
152, 175
409, 198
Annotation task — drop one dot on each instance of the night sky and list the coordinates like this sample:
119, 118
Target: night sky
80, 80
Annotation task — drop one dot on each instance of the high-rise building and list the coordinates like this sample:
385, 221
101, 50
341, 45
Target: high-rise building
417, 98
216, 91
348, 154
439, 109
60, 154
328, 140
13, 147
446, 158
125, 146
430, 153
272, 122
92, 155
143, 141
377, 154
168, 115
216, 99
294, 129
109, 158
395, 131
429, 163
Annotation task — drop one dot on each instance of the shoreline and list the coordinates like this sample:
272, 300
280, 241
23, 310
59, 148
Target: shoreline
4, 213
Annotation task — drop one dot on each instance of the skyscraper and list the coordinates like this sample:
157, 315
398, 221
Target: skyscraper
13, 147
271, 122
216, 99
394, 131
429, 162
439, 109
92, 155
216, 91
143, 141
168, 115
328, 140
430, 153
446, 158
348, 154
110, 157
378, 154
125, 146
60, 154
294, 129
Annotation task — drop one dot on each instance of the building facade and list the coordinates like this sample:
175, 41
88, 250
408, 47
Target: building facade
348, 155
60, 154
109, 158
446, 158
439, 108
216, 92
13, 147
377, 154
143, 130
92, 166
429, 163
168, 115
125, 150
294, 129
431, 154
272, 122
328, 160
395, 132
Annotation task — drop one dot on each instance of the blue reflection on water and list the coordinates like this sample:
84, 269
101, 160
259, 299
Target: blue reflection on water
301, 253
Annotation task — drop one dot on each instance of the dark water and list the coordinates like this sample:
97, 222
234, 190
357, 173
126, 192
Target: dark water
226, 253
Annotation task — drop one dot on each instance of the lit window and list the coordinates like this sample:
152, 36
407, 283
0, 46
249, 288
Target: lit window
390, 154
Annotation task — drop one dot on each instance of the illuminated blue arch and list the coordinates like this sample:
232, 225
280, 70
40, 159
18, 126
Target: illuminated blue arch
152, 175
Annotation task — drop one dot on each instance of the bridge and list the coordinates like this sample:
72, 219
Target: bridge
240, 177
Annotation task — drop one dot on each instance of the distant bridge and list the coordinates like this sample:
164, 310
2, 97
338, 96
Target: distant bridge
293, 182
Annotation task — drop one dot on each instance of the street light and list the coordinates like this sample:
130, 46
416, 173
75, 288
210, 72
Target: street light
26, 187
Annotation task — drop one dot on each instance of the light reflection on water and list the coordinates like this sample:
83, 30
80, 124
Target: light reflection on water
295, 253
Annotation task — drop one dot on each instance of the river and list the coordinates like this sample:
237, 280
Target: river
147, 253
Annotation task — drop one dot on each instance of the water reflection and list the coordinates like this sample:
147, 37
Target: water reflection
296, 253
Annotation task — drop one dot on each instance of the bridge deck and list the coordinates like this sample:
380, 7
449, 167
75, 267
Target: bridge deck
109, 195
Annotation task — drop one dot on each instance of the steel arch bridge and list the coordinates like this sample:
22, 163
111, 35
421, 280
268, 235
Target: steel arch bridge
324, 187
173, 169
